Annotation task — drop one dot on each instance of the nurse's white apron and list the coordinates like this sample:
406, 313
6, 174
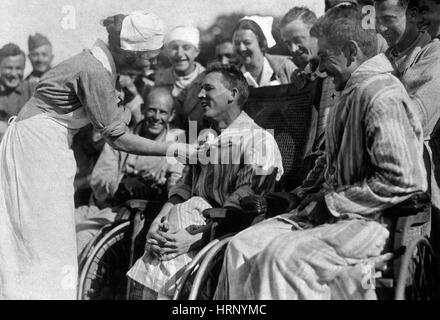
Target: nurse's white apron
38, 256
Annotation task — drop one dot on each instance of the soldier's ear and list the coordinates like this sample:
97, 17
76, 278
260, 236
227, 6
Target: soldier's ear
233, 96
413, 15
350, 51
172, 115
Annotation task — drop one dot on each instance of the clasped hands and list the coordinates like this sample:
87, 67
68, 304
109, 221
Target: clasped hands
166, 242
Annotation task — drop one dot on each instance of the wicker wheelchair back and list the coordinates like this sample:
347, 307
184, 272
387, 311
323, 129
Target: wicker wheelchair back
289, 113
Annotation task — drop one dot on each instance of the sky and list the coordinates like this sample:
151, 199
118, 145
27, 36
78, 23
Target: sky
72, 25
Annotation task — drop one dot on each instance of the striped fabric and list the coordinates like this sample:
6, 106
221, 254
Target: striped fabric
252, 156
374, 144
374, 160
163, 276
253, 168
327, 262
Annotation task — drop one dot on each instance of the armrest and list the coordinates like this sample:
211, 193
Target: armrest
136, 204
271, 205
230, 220
413, 206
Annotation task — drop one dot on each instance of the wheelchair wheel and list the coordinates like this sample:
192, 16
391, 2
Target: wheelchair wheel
82, 258
206, 278
190, 270
103, 276
416, 272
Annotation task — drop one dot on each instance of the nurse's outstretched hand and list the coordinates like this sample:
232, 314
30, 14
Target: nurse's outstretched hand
184, 153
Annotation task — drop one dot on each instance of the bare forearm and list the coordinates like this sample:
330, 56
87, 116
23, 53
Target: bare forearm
135, 144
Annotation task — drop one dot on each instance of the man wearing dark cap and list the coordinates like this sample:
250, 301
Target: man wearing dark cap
14, 93
40, 55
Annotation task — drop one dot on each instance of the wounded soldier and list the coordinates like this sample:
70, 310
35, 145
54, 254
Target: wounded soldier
119, 176
374, 160
243, 160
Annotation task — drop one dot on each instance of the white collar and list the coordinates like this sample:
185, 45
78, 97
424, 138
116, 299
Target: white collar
101, 52
266, 76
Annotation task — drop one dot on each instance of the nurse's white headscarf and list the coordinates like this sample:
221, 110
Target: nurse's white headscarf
184, 33
142, 32
265, 23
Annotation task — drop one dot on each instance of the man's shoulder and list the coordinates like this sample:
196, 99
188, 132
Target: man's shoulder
376, 88
81, 63
432, 49
382, 86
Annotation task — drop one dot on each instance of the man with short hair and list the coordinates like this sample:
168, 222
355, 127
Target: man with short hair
382, 45
397, 22
40, 55
224, 52
243, 160
318, 250
430, 16
185, 75
295, 31
423, 83
119, 176
13, 92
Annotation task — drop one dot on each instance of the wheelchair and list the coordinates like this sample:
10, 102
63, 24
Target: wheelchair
113, 250
412, 274
409, 275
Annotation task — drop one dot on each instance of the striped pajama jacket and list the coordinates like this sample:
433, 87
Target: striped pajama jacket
374, 160
243, 160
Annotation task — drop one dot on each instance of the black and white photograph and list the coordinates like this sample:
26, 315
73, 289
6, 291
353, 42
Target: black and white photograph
233, 153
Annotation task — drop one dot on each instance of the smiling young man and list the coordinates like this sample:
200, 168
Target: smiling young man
224, 52
185, 75
40, 55
119, 176
295, 29
219, 183
314, 252
430, 16
397, 21
13, 92
423, 83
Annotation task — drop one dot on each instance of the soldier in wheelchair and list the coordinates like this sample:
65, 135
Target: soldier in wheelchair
243, 160
321, 249
119, 177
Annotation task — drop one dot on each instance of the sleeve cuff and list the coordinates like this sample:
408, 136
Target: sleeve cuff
330, 202
117, 128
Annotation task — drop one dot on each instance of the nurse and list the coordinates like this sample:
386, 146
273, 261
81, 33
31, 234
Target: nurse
37, 167
252, 37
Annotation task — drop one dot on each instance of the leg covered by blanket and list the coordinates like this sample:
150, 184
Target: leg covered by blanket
163, 276
282, 259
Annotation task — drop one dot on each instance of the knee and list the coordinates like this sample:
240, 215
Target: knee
281, 253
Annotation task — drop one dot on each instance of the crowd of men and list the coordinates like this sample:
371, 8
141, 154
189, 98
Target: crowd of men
379, 109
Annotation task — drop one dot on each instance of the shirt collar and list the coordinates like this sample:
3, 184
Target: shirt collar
379, 64
101, 52
267, 76
18, 89
239, 121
